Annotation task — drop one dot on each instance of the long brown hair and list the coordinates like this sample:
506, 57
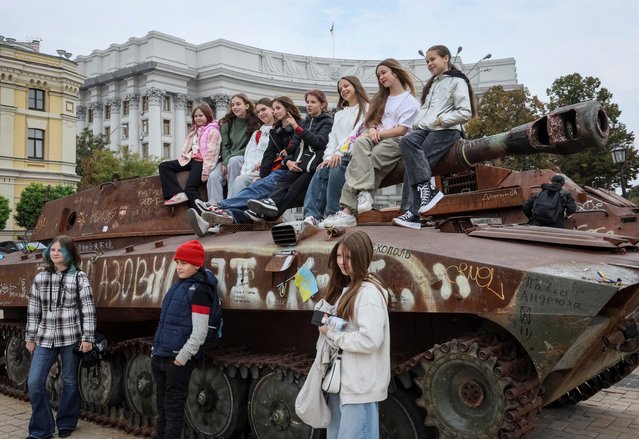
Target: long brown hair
360, 249
360, 93
444, 52
69, 251
378, 103
290, 107
320, 95
252, 121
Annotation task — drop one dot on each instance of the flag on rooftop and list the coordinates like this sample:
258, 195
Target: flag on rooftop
332, 31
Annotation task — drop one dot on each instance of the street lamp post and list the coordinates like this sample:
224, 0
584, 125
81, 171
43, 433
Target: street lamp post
618, 158
487, 56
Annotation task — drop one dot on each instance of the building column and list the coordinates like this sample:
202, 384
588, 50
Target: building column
179, 118
134, 122
155, 96
221, 105
116, 131
97, 109
81, 114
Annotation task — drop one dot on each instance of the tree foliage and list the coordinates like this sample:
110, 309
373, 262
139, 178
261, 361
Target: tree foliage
5, 211
32, 201
86, 144
594, 168
103, 165
500, 111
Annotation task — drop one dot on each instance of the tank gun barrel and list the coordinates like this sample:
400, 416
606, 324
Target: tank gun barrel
566, 130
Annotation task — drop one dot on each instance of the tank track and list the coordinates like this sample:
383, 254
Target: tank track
607, 378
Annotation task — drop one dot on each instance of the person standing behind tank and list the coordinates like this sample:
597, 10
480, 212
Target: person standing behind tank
60, 313
447, 103
361, 300
375, 153
322, 197
181, 332
255, 148
199, 155
236, 128
566, 207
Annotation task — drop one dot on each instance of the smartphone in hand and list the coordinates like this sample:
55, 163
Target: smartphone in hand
317, 318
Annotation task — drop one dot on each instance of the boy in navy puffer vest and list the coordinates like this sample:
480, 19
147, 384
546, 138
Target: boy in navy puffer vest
180, 335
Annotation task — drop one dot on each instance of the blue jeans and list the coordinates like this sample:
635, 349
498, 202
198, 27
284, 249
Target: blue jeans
262, 188
42, 423
421, 151
322, 196
352, 421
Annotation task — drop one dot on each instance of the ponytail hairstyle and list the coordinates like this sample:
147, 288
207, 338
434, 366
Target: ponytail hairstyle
290, 107
444, 52
359, 247
360, 93
252, 121
69, 251
320, 95
378, 103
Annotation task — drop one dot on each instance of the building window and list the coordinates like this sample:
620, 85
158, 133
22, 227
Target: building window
90, 116
188, 127
166, 127
107, 132
145, 127
36, 99
189, 106
145, 150
166, 103
36, 144
145, 103
125, 131
107, 112
125, 108
166, 150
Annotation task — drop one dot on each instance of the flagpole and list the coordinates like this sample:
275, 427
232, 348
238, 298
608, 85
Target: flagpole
332, 31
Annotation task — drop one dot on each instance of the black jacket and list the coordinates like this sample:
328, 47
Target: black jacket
311, 142
280, 138
567, 202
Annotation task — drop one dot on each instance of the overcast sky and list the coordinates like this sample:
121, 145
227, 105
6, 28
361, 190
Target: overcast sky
547, 38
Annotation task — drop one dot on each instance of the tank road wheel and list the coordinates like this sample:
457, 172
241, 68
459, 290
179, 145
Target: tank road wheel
399, 417
216, 405
272, 409
102, 384
18, 360
464, 395
139, 386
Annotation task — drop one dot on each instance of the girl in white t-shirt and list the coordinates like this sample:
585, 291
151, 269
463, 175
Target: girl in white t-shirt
375, 154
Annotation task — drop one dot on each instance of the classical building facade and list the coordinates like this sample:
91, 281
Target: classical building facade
140, 93
38, 105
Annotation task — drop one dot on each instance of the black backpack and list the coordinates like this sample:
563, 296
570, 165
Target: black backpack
548, 208
215, 313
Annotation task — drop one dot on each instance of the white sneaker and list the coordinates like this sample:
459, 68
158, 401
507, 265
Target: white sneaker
199, 225
364, 202
205, 205
312, 221
340, 219
177, 199
408, 220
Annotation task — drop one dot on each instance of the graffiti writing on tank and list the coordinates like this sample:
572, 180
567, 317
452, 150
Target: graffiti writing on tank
242, 292
42, 222
543, 292
391, 251
149, 197
589, 205
463, 275
81, 219
495, 195
95, 246
525, 320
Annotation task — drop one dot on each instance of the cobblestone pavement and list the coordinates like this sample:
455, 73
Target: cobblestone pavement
611, 414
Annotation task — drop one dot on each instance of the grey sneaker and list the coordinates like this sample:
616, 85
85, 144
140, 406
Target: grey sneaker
312, 221
205, 205
408, 220
199, 225
364, 202
340, 219
429, 196
217, 216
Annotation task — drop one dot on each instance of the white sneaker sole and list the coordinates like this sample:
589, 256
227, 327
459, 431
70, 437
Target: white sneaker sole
432, 203
198, 224
409, 224
215, 218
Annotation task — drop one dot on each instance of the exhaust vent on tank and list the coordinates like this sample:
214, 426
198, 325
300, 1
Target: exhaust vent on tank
290, 233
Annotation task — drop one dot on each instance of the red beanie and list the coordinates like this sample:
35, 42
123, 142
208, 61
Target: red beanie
191, 252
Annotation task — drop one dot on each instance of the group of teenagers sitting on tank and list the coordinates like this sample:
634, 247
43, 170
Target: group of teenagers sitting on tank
331, 165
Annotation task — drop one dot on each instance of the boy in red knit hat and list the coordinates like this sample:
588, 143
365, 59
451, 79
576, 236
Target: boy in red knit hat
177, 345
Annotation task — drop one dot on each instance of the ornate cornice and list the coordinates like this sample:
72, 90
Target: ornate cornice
221, 99
97, 108
154, 94
180, 101
114, 103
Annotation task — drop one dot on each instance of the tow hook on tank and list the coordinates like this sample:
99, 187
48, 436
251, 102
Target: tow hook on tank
626, 337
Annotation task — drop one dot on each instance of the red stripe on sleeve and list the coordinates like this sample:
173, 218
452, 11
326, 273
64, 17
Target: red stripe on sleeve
199, 309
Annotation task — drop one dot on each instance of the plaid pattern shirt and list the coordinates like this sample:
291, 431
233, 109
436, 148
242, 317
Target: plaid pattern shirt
53, 317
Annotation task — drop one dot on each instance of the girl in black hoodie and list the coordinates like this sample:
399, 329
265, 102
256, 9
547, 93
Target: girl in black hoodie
299, 166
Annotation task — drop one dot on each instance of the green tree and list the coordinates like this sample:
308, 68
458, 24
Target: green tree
86, 144
594, 168
103, 165
32, 201
5, 211
500, 111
